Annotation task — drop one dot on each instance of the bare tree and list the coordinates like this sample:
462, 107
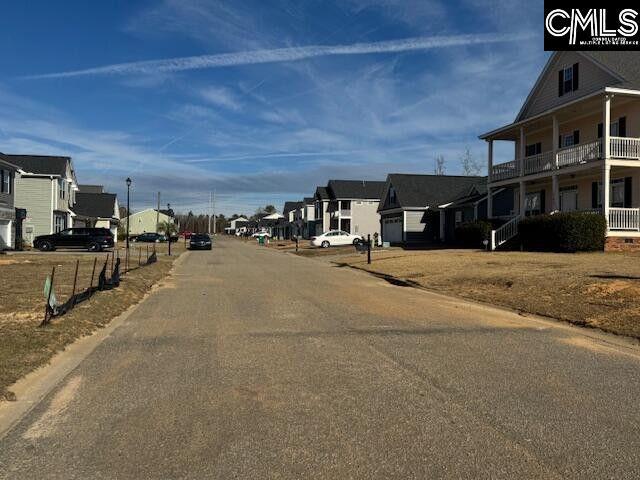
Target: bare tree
439, 168
470, 165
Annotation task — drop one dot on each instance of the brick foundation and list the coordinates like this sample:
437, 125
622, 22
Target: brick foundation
622, 244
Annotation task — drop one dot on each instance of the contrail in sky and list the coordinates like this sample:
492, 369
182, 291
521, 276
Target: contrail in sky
287, 55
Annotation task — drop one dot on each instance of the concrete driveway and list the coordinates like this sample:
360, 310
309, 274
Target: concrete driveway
250, 363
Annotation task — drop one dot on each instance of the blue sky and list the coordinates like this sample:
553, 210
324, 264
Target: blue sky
261, 100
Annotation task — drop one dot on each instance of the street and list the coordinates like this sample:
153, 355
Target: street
251, 363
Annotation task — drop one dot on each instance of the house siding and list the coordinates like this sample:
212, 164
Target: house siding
591, 79
35, 195
145, 221
420, 226
365, 219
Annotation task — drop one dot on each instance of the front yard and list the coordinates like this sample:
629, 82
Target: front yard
595, 289
25, 346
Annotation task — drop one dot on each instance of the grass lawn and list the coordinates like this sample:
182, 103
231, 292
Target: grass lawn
24, 345
595, 289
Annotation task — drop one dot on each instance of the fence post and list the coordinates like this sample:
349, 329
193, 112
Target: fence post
369, 248
47, 308
93, 272
75, 282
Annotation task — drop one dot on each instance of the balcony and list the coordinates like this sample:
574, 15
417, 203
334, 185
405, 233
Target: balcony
340, 213
627, 219
620, 148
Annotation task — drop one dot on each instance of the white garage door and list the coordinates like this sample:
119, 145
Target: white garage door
392, 230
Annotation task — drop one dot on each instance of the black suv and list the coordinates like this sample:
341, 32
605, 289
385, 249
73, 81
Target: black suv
149, 237
93, 239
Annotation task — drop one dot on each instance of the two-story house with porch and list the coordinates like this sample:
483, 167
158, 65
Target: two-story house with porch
321, 214
576, 144
353, 206
46, 188
7, 203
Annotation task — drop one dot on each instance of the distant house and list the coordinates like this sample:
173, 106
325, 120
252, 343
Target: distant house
7, 203
410, 211
96, 208
321, 214
237, 226
147, 220
46, 188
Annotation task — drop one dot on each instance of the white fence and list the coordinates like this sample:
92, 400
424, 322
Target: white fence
504, 233
622, 147
624, 219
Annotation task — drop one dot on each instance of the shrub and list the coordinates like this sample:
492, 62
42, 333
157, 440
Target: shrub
472, 234
563, 232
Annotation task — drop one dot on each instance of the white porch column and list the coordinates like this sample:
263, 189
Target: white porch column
490, 164
606, 132
555, 206
554, 140
521, 151
522, 195
606, 201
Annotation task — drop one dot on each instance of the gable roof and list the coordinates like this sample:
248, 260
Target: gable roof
322, 193
356, 189
289, 207
91, 188
41, 164
5, 161
95, 205
623, 64
429, 190
308, 200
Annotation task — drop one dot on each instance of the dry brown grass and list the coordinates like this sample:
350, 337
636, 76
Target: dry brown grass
595, 289
24, 345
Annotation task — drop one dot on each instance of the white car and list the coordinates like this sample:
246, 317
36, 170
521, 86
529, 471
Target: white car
261, 234
335, 237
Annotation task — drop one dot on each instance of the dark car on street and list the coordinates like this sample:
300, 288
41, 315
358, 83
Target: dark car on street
200, 241
92, 239
149, 237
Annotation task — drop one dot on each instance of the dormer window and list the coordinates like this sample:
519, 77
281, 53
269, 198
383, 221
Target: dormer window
568, 80
61, 188
392, 196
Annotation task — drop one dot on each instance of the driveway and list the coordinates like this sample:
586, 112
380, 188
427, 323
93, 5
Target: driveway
251, 363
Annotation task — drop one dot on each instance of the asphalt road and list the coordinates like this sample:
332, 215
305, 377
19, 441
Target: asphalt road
252, 364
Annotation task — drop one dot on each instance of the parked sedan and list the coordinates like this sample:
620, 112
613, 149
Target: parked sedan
334, 238
93, 239
200, 241
149, 237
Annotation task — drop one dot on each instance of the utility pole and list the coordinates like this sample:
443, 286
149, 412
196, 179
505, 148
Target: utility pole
210, 209
213, 211
158, 213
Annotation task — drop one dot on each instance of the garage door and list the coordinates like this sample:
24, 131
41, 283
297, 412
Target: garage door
392, 230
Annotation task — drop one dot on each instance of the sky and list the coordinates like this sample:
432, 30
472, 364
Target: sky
260, 100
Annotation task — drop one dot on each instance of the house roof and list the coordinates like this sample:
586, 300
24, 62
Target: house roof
95, 205
322, 193
289, 207
91, 188
5, 161
308, 200
356, 189
430, 190
40, 164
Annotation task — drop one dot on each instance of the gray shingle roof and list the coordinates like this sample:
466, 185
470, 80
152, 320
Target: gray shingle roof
626, 64
290, 206
91, 188
322, 193
365, 189
41, 164
95, 205
308, 200
430, 190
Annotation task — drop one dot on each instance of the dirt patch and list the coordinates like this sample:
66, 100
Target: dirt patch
25, 346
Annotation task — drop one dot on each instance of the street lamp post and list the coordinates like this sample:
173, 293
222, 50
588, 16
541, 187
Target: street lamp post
168, 226
128, 180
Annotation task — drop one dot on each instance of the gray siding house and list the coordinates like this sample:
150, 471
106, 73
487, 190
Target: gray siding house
353, 206
46, 188
7, 203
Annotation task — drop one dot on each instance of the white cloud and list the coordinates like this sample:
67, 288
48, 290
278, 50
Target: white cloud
288, 55
221, 97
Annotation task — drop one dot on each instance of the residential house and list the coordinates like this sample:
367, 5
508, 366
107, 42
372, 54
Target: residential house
576, 143
470, 205
237, 226
410, 209
304, 218
147, 220
353, 206
321, 213
46, 188
7, 203
96, 208
273, 224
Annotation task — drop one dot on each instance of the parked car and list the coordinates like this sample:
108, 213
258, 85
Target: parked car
261, 234
186, 234
200, 241
93, 239
149, 237
334, 238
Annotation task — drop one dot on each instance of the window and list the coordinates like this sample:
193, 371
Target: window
533, 203
569, 199
618, 128
533, 149
5, 181
59, 223
392, 196
459, 216
567, 141
345, 204
61, 188
616, 193
568, 80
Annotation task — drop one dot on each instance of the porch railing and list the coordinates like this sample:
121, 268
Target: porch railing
506, 170
542, 162
622, 147
624, 219
504, 233
583, 153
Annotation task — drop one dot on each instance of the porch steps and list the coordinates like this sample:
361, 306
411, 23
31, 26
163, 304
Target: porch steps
504, 233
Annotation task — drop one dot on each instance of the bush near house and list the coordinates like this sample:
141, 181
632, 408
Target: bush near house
563, 232
472, 234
